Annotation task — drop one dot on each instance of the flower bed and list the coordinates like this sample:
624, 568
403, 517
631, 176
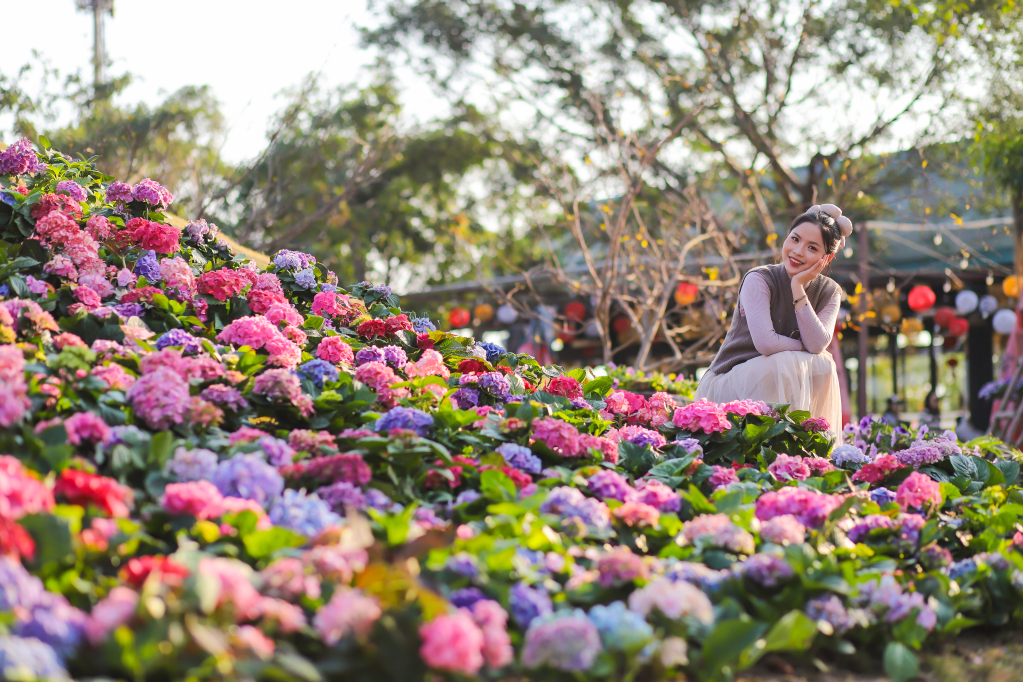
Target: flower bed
221, 471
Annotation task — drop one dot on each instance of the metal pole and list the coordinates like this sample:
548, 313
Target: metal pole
864, 335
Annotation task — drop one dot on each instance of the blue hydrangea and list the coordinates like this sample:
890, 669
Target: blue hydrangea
962, 568
328, 288
520, 457
882, 496
342, 495
466, 597
179, 337
381, 289
250, 477
526, 603
406, 418
319, 371
277, 451
148, 266
496, 384
293, 260
306, 278
464, 564
421, 325
369, 354
493, 350
466, 398
378, 500
27, 658
620, 628
8, 198
395, 356
305, 514
5, 290
466, 497
45, 616
192, 465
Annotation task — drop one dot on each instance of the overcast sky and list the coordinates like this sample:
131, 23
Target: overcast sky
248, 51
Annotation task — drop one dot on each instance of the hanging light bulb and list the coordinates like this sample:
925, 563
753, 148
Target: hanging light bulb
964, 263
891, 285
848, 252
947, 287
990, 279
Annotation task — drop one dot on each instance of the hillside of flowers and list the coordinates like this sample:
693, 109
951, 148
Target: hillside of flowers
216, 471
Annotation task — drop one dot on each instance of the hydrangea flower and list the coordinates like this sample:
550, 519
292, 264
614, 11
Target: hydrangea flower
527, 603
765, 569
918, 491
702, 415
619, 628
27, 658
788, 468
673, 598
179, 337
72, 189
192, 465
609, 485
303, 513
405, 418
570, 503
250, 477
306, 278
452, 642
567, 641
148, 266
319, 371
830, 609
342, 495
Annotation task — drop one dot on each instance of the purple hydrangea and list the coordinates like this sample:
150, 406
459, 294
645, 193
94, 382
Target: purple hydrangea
306, 278
765, 569
405, 418
422, 325
919, 454
277, 451
319, 371
463, 564
250, 477
5, 290
342, 495
72, 189
690, 445
44, 615
868, 524
192, 465
148, 266
496, 384
29, 658
526, 603
706, 578
426, 516
179, 337
608, 485
225, 396
565, 641
580, 404
466, 597
293, 260
395, 356
327, 287
119, 191
303, 513
570, 503
198, 230
882, 496
151, 192
846, 454
19, 159
493, 350
831, 610
520, 457
466, 398
126, 310
642, 436
466, 497
381, 289
369, 354
378, 500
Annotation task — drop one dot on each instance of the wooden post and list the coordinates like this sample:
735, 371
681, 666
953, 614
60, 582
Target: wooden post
864, 335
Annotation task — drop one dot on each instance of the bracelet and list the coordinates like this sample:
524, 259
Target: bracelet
799, 299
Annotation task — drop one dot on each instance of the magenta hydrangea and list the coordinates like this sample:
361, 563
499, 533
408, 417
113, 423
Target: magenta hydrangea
702, 415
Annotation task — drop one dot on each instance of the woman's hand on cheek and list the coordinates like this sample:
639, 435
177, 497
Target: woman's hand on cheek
807, 275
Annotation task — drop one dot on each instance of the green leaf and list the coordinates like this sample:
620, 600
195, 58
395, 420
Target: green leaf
1009, 469
599, 385
793, 632
52, 535
963, 466
44, 142
496, 485
900, 663
161, 448
723, 649
263, 543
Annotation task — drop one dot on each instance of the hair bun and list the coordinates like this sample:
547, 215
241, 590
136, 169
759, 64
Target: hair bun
832, 210
845, 226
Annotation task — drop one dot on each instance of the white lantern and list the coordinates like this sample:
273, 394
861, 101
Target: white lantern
988, 305
966, 301
1004, 321
507, 314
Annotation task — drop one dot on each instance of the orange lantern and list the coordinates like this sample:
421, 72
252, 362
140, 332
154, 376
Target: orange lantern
459, 317
484, 312
943, 316
1010, 287
921, 298
686, 293
621, 324
958, 327
575, 310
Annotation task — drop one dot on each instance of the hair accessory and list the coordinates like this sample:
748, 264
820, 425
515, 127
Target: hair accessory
845, 226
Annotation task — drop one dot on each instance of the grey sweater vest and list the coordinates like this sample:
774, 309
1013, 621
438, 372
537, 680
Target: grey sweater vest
738, 345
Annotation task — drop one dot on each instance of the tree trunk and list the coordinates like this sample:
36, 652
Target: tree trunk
1017, 220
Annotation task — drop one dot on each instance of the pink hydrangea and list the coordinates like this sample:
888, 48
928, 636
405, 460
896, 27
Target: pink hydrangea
281, 385
918, 491
783, 530
431, 364
259, 332
559, 436
816, 424
719, 531
810, 507
177, 275
223, 284
376, 375
565, 386
110, 613
235, 586
673, 598
284, 312
721, 477
334, 349
634, 513
237, 505
86, 427
289, 617
624, 403
20, 494
621, 565
152, 236
657, 494
349, 611
493, 622
818, 465
452, 642
745, 407
14, 399
287, 578
160, 398
878, 470
200, 499
100, 228
789, 468
702, 415
658, 409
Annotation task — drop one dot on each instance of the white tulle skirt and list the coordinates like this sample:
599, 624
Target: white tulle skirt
804, 381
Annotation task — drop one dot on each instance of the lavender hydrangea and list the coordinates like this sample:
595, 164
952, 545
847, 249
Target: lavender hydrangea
45, 616
620, 628
27, 658
869, 524
378, 500
882, 496
250, 477
832, 611
466, 597
845, 455
571, 504
225, 396
520, 457
327, 287
708, 579
126, 310
463, 564
690, 445
920, 453
306, 514
306, 278
20, 159
179, 337
466, 398
286, 259
765, 569
72, 189
405, 418
380, 289
496, 384
395, 356
466, 497
422, 325
580, 404
342, 495
565, 641
198, 230
151, 192
369, 354
319, 371
526, 603
609, 485
192, 465
119, 191
148, 266
277, 451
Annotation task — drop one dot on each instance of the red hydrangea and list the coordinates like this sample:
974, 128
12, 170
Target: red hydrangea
435, 479
565, 386
423, 341
144, 294
371, 328
82, 488
222, 284
347, 467
138, 570
15, 540
57, 202
878, 470
260, 301
152, 236
397, 323
472, 366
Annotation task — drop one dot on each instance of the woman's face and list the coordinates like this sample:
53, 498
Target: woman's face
803, 247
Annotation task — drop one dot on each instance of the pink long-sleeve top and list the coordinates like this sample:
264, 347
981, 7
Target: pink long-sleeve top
815, 329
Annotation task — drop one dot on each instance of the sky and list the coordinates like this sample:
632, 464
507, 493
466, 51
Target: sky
248, 51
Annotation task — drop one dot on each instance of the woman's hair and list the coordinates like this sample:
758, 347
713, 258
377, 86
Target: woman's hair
830, 231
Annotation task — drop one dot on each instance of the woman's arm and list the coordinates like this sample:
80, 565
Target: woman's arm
816, 329
755, 303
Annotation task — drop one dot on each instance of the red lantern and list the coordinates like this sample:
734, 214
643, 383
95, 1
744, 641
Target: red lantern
958, 327
459, 317
621, 324
921, 298
575, 310
686, 293
943, 316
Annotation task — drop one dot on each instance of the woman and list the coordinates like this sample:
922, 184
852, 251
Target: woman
931, 416
775, 348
